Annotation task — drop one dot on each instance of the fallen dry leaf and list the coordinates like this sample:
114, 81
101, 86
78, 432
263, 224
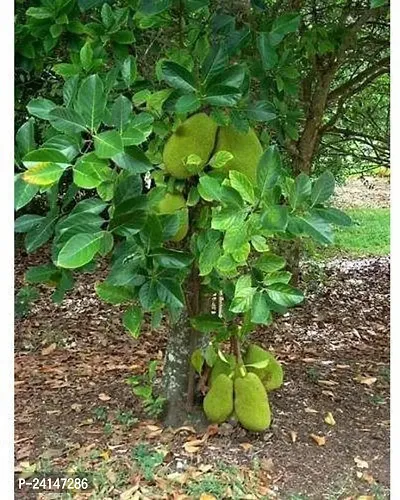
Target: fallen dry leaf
246, 446
328, 382
128, 494
328, 393
365, 497
104, 397
49, 349
320, 440
185, 428
153, 428
329, 419
310, 410
193, 446
365, 380
361, 464
206, 496
293, 436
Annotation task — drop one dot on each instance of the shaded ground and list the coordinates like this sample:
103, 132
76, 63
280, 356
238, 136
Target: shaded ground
72, 400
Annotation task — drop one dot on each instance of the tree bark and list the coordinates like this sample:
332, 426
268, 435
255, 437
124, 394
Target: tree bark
179, 375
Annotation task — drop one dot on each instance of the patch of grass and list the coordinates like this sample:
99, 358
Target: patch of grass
209, 484
147, 459
368, 236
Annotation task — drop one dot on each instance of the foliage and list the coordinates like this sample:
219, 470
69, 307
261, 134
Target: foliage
143, 387
24, 299
147, 460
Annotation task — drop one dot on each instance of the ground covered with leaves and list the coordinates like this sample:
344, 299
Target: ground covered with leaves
330, 433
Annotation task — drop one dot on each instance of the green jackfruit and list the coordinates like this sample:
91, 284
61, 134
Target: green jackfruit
246, 150
222, 367
251, 403
218, 403
170, 204
196, 136
272, 375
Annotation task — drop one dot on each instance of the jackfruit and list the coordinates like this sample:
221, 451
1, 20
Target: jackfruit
222, 367
218, 403
170, 204
246, 150
272, 375
195, 136
251, 403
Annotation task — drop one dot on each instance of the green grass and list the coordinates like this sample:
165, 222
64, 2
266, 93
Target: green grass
368, 236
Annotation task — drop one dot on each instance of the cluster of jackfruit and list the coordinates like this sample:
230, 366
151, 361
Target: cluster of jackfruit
199, 135
242, 390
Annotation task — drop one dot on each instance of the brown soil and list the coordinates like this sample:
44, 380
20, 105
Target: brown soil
73, 358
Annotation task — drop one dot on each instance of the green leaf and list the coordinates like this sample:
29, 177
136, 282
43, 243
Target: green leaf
23, 192
226, 218
172, 259
90, 205
285, 295
333, 215
170, 292
275, 218
79, 250
46, 273
287, 23
208, 257
187, 104
91, 101
302, 190
133, 160
210, 355
268, 170
220, 159
121, 112
129, 70
260, 312
222, 95
269, 57
132, 320
90, 171
261, 111
25, 137
67, 145
208, 323
108, 144
178, 77
27, 222
378, 3
259, 243
243, 185
86, 56
231, 77
113, 294
197, 360
209, 188
323, 188
43, 174
67, 120
39, 13
317, 228
138, 130
278, 277
70, 90
40, 107
40, 234
215, 62
270, 262
65, 283
244, 293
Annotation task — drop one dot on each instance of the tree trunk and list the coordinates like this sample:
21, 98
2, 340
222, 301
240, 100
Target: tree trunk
176, 370
179, 375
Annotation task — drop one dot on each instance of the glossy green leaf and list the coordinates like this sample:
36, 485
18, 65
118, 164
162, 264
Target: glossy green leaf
270, 262
25, 137
23, 192
108, 144
178, 77
187, 104
275, 218
208, 323
121, 112
285, 295
67, 121
268, 170
40, 107
132, 320
260, 312
113, 294
27, 222
90, 171
333, 215
323, 188
91, 101
79, 250
243, 185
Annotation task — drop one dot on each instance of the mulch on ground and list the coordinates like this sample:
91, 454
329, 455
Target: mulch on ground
74, 358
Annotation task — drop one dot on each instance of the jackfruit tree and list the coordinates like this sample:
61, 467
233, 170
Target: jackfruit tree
174, 170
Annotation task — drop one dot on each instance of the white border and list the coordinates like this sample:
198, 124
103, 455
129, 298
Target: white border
7, 250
